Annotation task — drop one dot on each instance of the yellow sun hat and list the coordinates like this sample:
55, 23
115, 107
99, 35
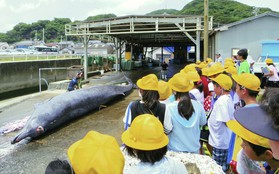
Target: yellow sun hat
202, 65
247, 135
146, 133
193, 75
94, 153
231, 70
208, 60
205, 71
230, 60
268, 60
164, 90
249, 81
148, 82
180, 83
224, 81
228, 64
215, 69
188, 68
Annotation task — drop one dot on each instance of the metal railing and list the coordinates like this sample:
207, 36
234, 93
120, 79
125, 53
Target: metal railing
37, 57
40, 78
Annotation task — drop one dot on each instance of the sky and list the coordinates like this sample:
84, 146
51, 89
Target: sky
13, 12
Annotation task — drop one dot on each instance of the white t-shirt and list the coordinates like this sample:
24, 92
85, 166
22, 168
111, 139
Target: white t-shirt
166, 166
274, 77
198, 95
246, 166
220, 59
250, 59
222, 112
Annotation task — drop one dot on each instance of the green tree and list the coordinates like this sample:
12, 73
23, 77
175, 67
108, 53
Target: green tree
163, 11
223, 11
100, 16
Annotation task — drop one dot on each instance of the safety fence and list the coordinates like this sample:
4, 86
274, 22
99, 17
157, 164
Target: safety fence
32, 57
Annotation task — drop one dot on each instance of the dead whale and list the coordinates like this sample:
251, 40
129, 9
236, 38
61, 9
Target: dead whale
68, 106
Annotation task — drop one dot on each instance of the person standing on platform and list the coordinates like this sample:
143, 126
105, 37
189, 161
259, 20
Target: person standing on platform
164, 70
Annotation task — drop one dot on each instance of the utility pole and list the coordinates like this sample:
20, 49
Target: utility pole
205, 35
36, 38
43, 35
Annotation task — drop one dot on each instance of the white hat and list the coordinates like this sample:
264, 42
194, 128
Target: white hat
210, 86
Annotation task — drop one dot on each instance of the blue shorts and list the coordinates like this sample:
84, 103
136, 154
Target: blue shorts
220, 156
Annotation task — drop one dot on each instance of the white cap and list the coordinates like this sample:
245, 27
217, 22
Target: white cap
210, 86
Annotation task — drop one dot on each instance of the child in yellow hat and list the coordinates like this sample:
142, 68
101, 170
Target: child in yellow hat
146, 140
96, 153
148, 103
164, 91
219, 137
183, 117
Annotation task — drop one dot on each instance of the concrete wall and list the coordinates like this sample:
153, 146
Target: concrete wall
246, 35
20, 75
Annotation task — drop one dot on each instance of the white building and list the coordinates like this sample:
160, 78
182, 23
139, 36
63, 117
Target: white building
248, 33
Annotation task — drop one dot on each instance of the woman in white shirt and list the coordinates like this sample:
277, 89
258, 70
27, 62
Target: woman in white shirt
273, 79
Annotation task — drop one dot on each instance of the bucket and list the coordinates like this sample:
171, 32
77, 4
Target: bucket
102, 72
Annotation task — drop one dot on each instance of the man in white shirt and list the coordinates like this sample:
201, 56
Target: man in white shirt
219, 58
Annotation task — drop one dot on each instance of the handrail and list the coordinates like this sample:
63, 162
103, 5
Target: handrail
40, 83
37, 57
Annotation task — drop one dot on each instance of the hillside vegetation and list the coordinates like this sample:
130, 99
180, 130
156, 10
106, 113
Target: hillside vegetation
223, 12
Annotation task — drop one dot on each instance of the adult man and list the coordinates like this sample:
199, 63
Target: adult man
75, 82
244, 65
219, 58
164, 70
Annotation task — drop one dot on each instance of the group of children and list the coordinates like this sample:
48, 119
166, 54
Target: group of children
170, 115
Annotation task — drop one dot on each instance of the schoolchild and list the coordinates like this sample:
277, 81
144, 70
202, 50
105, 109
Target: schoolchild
164, 92
183, 117
148, 103
247, 88
96, 153
269, 120
254, 146
219, 137
146, 140
203, 74
197, 90
59, 167
204, 129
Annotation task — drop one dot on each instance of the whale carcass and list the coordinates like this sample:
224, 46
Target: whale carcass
68, 106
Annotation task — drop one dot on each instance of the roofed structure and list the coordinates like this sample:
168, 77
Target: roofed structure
159, 30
